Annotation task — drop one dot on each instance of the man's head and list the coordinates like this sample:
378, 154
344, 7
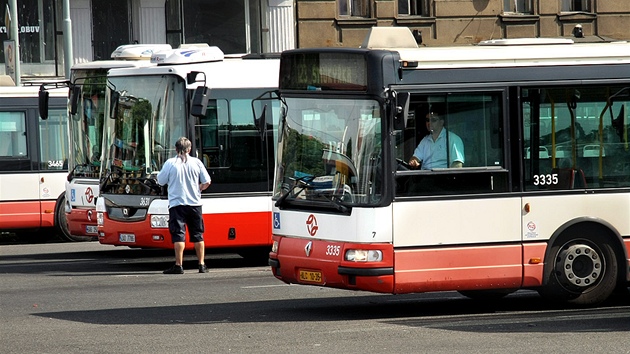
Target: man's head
183, 145
434, 122
435, 118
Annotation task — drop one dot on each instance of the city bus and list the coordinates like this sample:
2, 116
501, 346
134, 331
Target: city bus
33, 162
85, 131
540, 202
201, 93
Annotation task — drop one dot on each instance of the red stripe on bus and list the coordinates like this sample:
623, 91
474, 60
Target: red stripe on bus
248, 229
458, 268
16, 215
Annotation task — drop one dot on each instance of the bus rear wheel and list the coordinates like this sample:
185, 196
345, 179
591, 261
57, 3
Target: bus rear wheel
581, 271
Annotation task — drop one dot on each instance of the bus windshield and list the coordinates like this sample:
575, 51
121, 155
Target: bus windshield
149, 116
329, 152
86, 125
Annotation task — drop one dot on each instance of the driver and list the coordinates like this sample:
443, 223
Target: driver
431, 152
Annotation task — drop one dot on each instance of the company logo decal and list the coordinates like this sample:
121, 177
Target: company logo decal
89, 195
311, 225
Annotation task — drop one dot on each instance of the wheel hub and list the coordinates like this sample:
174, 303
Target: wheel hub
579, 266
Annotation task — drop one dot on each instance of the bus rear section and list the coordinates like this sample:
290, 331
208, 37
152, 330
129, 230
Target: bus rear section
528, 187
210, 102
33, 162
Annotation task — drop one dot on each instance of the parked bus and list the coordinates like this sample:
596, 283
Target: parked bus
199, 93
85, 130
33, 162
541, 201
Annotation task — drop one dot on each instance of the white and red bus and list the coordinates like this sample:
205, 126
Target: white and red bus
33, 162
85, 130
350, 213
200, 93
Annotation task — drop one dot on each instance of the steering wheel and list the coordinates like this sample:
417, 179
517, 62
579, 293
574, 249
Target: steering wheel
403, 165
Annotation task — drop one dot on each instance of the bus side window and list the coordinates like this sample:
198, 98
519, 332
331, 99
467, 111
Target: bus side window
214, 134
12, 134
476, 119
54, 141
582, 142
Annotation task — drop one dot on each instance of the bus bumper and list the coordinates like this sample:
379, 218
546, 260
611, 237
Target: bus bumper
82, 222
322, 263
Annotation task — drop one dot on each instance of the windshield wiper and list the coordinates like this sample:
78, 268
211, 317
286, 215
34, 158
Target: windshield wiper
335, 200
302, 182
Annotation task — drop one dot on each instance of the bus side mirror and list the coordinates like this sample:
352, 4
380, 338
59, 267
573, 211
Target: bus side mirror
75, 94
199, 102
402, 110
113, 105
43, 102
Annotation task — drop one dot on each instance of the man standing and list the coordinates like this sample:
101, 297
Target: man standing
186, 177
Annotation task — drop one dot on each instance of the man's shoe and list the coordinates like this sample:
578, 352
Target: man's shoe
175, 269
203, 268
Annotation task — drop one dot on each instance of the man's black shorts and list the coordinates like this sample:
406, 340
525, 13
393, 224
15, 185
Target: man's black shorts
184, 215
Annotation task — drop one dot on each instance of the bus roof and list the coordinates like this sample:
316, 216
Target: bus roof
228, 73
31, 91
517, 55
496, 53
110, 64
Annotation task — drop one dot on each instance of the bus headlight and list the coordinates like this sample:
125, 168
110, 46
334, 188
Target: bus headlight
99, 219
274, 247
364, 255
159, 221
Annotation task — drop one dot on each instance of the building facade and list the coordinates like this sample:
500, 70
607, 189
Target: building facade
246, 26
453, 22
98, 27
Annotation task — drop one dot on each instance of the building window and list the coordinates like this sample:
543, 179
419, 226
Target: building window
358, 8
517, 6
576, 5
413, 7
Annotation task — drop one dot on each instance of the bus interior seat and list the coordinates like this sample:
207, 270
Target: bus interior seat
569, 178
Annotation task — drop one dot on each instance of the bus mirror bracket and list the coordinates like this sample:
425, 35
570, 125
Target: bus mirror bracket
199, 102
192, 76
402, 110
265, 118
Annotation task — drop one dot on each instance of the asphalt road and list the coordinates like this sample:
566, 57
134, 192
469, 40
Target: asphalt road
91, 298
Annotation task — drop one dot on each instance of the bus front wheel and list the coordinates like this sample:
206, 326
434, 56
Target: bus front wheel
61, 223
581, 271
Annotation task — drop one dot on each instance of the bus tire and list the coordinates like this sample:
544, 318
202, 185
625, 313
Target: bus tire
581, 270
61, 223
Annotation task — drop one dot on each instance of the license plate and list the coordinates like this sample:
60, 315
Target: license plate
91, 229
127, 238
310, 276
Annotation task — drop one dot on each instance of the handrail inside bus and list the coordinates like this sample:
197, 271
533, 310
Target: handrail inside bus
481, 169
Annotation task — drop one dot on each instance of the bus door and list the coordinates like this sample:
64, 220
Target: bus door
454, 217
53, 162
